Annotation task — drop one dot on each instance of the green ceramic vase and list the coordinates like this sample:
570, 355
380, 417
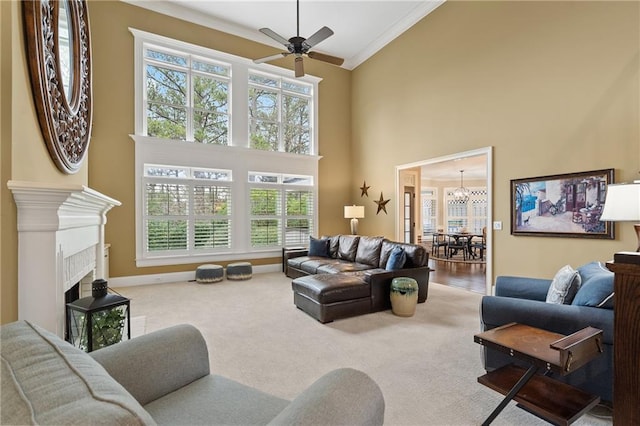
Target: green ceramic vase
404, 296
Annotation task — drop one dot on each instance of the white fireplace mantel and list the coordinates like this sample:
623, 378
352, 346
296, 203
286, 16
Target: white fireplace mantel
60, 241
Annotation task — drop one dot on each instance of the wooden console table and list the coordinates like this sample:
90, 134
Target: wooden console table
550, 399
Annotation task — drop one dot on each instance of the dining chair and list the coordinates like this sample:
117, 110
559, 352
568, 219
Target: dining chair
439, 240
478, 247
457, 244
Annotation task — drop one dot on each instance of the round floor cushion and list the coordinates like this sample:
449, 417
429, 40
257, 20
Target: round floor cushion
206, 274
239, 271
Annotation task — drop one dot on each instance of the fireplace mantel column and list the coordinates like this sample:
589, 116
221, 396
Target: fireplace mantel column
60, 240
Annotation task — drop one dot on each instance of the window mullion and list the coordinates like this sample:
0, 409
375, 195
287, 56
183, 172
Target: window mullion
190, 101
190, 218
280, 121
205, 232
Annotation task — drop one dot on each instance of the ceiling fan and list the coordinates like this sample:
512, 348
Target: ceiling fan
300, 46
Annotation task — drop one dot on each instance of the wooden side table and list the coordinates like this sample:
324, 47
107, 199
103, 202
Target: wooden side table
550, 399
626, 329
286, 254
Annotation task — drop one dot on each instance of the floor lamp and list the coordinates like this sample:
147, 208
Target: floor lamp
623, 205
354, 213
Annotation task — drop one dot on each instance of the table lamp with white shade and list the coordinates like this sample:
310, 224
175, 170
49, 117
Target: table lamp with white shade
354, 213
623, 205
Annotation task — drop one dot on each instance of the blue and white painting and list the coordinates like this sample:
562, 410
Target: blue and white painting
562, 204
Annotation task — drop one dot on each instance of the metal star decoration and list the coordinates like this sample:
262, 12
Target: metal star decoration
382, 204
364, 188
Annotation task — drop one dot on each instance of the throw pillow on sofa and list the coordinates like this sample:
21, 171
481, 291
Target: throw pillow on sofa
319, 247
564, 286
397, 258
347, 247
596, 288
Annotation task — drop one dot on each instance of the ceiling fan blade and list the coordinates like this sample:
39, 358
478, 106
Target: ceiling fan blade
326, 58
299, 67
271, 58
274, 35
317, 37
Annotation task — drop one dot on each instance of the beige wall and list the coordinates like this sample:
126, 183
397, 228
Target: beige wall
552, 86
24, 153
111, 157
8, 245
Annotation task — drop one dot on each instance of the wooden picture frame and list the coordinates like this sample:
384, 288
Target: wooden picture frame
563, 205
59, 55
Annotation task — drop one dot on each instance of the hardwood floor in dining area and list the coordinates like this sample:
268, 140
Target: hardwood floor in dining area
468, 276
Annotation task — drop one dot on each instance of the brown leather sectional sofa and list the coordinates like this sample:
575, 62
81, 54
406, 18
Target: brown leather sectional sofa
352, 278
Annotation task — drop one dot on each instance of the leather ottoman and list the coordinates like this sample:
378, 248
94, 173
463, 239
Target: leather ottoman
327, 297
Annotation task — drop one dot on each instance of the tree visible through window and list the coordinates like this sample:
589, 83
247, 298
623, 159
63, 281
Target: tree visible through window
187, 98
279, 114
271, 224
189, 208
192, 213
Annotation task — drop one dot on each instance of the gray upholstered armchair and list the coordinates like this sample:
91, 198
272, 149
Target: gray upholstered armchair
160, 378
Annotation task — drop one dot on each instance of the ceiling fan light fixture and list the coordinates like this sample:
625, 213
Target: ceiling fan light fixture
461, 194
300, 46
298, 66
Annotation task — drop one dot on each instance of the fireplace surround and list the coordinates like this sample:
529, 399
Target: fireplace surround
61, 242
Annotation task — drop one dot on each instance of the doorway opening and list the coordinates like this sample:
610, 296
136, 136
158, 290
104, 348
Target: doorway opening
429, 205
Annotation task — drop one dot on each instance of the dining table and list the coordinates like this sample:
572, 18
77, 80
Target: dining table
458, 236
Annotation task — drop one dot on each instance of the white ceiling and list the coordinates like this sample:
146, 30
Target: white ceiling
361, 27
475, 168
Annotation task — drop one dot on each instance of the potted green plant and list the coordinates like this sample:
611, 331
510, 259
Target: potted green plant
106, 329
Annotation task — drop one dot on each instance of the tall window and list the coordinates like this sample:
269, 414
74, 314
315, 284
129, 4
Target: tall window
186, 209
281, 208
187, 97
429, 200
471, 215
279, 114
203, 116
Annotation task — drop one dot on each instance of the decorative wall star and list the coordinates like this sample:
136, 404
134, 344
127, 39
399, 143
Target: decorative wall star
364, 188
382, 204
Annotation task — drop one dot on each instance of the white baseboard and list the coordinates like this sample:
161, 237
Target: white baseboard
172, 277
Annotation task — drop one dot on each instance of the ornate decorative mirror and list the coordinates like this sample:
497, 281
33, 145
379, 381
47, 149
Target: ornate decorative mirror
59, 56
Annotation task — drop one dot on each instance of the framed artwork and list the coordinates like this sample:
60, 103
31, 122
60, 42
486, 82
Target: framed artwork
566, 205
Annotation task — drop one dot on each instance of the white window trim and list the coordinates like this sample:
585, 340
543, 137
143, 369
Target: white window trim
239, 131
470, 217
236, 157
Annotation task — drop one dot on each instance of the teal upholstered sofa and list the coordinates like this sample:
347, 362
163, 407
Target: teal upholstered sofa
159, 378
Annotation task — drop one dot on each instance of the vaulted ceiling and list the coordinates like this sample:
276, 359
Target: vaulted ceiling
361, 27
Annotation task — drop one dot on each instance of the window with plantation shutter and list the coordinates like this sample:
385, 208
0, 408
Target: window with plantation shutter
298, 217
266, 220
202, 115
212, 227
470, 215
282, 209
429, 198
186, 209
167, 213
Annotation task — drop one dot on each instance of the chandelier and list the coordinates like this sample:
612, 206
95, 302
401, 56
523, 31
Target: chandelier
461, 194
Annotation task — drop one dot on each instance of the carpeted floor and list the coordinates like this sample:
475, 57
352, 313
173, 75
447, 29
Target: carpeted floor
426, 365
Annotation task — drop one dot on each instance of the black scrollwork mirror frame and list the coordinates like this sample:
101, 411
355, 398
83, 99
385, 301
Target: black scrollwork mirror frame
65, 121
